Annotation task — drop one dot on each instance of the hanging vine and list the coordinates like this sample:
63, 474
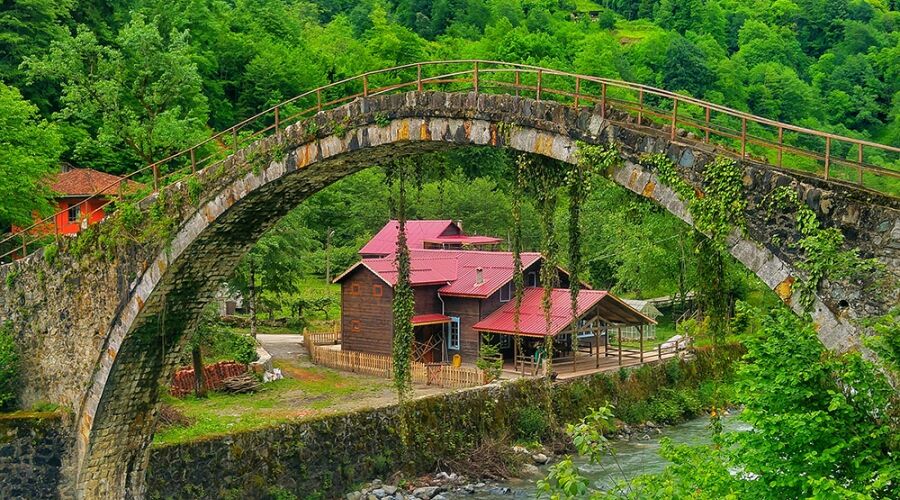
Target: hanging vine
403, 304
590, 160
516, 242
821, 248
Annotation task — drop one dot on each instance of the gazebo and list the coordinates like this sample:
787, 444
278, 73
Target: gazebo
596, 313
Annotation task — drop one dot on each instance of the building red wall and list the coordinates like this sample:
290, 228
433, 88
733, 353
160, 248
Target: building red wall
367, 321
92, 209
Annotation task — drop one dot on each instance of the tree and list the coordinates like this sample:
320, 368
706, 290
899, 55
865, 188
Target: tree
142, 94
685, 68
29, 154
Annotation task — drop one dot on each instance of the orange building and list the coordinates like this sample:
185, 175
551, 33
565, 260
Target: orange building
75, 185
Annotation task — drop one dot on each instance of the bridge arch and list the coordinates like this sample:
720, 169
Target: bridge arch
267, 179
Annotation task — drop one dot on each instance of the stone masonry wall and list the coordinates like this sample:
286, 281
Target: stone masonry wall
32, 450
324, 457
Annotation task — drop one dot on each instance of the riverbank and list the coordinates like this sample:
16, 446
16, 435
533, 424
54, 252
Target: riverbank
328, 456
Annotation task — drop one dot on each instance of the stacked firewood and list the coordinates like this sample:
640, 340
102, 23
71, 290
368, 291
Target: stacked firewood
240, 384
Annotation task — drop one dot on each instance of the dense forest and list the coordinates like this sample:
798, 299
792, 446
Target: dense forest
115, 86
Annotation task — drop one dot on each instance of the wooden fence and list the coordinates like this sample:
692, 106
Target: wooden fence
379, 365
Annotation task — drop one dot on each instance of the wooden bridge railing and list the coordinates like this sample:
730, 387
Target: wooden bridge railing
742, 135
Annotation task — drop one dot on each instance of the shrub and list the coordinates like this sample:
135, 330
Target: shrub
227, 344
490, 361
9, 367
531, 423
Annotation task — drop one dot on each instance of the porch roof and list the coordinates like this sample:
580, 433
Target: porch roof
429, 319
532, 321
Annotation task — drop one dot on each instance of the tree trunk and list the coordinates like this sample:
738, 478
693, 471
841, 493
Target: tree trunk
199, 379
252, 301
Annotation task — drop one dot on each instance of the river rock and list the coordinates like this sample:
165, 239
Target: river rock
500, 490
427, 492
380, 493
540, 458
530, 470
354, 495
390, 490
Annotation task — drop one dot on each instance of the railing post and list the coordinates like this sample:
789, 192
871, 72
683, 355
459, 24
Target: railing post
859, 161
277, 120
540, 76
365, 85
743, 137
518, 84
155, 177
24, 244
640, 105
603, 100
319, 99
780, 144
706, 135
674, 118
827, 156
419, 77
475, 77
577, 91
193, 161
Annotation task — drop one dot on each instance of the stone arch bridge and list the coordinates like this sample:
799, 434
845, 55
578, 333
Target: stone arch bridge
101, 329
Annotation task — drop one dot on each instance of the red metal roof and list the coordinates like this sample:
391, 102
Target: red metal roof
531, 313
463, 240
456, 269
85, 182
429, 319
417, 231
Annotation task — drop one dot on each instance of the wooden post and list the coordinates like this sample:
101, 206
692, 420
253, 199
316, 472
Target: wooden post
780, 144
577, 91
419, 77
540, 77
319, 99
365, 85
518, 84
155, 177
859, 161
515, 355
674, 117
827, 156
743, 138
641, 333
640, 105
619, 336
603, 100
193, 161
706, 136
659, 348
596, 350
24, 244
605, 341
475, 77
234, 139
277, 121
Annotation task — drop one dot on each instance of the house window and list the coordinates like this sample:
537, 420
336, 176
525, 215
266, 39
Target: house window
506, 292
377, 290
453, 334
531, 280
355, 325
74, 214
501, 341
354, 289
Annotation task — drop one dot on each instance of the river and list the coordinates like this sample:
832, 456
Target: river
635, 457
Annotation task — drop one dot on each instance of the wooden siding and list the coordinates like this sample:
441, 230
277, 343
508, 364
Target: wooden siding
372, 314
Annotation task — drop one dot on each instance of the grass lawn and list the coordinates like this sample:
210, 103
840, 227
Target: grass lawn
304, 392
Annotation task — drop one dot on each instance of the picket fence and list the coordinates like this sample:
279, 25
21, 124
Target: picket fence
379, 365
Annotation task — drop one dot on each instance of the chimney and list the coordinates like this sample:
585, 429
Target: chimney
479, 276
459, 225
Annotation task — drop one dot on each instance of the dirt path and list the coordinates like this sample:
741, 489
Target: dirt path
282, 346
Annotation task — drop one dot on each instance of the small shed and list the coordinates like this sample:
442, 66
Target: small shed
646, 308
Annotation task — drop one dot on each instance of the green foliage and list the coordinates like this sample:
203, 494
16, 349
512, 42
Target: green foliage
821, 248
823, 426
9, 367
531, 423
490, 360
29, 154
226, 344
721, 207
50, 254
885, 340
